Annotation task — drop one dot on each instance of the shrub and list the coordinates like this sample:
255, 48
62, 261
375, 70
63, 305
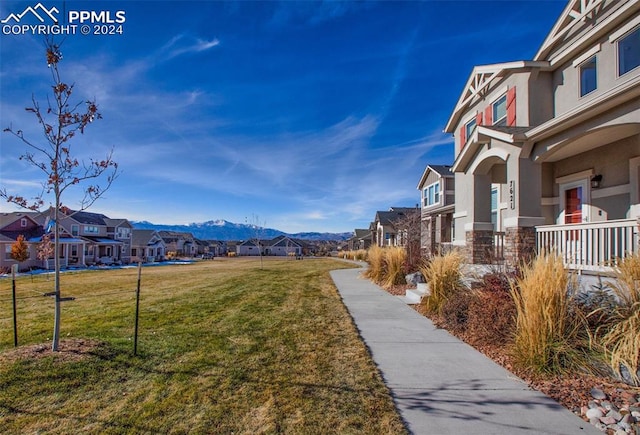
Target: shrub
443, 275
394, 260
491, 318
456, 312
546, 334
620, 342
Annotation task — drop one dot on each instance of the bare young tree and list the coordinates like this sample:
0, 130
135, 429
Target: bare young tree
61, 120
408, 233
258, 233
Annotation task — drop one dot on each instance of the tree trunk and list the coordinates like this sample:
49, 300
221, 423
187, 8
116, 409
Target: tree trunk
56, 259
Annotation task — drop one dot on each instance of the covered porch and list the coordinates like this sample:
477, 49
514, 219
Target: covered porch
593, 247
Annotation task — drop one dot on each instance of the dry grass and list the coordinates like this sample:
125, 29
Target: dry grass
620, 342
375, 258
444, 277
225, 347
357, 255
394, 261
546, 332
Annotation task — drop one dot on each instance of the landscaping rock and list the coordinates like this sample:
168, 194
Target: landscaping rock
594, 413
608, 420
597, 393
414, 278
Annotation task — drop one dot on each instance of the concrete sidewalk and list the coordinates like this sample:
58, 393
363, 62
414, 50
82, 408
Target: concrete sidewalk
439, 384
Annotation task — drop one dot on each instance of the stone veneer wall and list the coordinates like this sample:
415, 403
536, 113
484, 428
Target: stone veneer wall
479, 246
519, 245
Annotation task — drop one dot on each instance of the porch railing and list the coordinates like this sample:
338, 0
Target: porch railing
594, 246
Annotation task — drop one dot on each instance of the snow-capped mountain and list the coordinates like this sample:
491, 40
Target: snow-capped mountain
224, 230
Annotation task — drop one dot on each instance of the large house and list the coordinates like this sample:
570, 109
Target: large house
437, 187
556, 140
84, 238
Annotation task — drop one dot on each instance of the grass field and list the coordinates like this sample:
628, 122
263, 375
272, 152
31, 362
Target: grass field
224, 347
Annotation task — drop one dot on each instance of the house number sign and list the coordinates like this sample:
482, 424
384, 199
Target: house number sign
512, 194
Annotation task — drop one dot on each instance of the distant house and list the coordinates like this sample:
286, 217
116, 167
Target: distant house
13, 225
183, 244
147, 246
283, 246
98, 243
437, 192
389, 226
249, 248
557, 138
120, 230
361, 239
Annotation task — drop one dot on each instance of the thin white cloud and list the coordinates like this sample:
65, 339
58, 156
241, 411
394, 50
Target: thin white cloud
182, 44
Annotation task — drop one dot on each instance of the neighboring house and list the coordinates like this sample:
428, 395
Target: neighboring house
283, 246
389, 226
558, 137
146, 246
437, 187
218, 248
250, 248
13, 225
183, 244
94, 243
120, 230
361, 239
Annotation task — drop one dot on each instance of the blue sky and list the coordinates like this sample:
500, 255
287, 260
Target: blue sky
303, 116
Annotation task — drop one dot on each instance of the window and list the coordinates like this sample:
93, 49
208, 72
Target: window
23, 222
494, 208
500, 111
629, 52
588, 77
75, 230
469, 127
431, 195
91, 229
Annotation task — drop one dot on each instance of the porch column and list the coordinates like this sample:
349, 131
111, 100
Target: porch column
479, 232
524, 210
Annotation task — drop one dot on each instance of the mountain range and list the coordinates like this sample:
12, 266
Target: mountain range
225, 230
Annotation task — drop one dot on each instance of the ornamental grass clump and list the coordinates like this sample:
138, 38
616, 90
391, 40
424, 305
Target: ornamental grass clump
546, 333
621, 341
444, 277
394, 261
375, 258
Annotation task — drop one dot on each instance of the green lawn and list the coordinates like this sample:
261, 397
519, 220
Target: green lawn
224, 347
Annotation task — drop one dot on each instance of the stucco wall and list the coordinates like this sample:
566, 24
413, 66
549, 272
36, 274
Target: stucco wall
566, 79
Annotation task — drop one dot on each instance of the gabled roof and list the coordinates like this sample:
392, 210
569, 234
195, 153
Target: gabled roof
581, 23
144, 237
361, 233
175, 235
87, 218
284, 241
395, 213
443, 171
479, 82
9, 218
117, 222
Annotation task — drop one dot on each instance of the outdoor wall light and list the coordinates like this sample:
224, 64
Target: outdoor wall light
596, 180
